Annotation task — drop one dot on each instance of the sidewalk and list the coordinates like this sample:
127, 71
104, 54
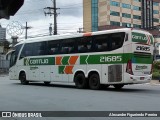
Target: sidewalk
155, 82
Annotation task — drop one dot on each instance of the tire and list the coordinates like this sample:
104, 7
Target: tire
94, 82
80, 81
23, 79
118, 86
47, 83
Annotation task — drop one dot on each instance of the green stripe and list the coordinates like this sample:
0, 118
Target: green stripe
141, 60
114, 59
83, 59
61, 69
65, 60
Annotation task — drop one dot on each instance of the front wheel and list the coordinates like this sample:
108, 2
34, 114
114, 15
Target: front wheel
23, 79
94, 82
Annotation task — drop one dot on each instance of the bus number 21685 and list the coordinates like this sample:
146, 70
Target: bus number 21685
110, 59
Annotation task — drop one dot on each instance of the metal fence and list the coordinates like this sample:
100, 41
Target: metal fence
4, 66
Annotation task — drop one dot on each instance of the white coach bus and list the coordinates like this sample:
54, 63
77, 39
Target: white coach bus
115, 57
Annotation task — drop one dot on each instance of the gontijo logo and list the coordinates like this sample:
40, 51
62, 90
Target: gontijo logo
142, 38
39, 61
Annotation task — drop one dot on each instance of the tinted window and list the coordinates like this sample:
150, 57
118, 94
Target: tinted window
39, 49
53, 47
27, 50
68, 46
117, 40
84, 44
101, 43
17, 49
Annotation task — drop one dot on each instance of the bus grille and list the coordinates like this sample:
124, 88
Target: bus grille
115, 73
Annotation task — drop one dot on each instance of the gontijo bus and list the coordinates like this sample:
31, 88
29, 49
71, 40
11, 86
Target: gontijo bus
115, 57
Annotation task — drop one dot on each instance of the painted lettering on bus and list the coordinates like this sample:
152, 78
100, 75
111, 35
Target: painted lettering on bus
139, 37
143, 48
141, 67
39, 62
104, 59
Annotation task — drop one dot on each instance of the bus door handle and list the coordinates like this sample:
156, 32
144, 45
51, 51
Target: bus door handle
51, 72
42, 72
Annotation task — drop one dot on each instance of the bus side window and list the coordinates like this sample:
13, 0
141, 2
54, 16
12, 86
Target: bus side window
39, 48
53, 47
68, 46
101, 43
85, 44
27, 50
117, 40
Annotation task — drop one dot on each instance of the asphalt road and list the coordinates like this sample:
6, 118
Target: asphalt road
54, 97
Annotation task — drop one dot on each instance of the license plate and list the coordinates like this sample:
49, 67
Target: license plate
141, 78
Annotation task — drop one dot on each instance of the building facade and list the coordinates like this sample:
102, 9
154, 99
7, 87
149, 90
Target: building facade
109, 14
2, 33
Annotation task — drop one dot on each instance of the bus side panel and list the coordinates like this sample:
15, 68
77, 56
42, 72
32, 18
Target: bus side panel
44, 73
55, 75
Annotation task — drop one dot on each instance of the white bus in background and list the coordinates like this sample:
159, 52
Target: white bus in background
115, 57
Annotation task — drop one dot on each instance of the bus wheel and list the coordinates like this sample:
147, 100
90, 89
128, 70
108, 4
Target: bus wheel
47, 83
94, 82
23, 79
80, 81
118, 86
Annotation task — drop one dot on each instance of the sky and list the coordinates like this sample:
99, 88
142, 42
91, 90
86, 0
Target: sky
69, 19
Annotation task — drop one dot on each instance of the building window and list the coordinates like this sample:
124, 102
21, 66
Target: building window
136, 26
114, 13
155, 20
128, 6
94, 15
114, 3
126, 24
137, 17
156, 3
115, 23
126, 15
137, 8
155, 12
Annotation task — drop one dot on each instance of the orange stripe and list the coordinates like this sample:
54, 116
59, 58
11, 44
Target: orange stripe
73, 60
58, 60
87, 34
68, 69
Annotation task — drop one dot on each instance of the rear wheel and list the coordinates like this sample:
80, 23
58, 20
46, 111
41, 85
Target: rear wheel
80, 81
94, 82
118, 86
23, 79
